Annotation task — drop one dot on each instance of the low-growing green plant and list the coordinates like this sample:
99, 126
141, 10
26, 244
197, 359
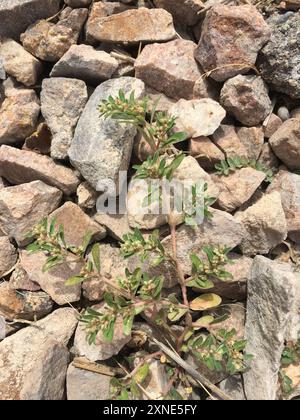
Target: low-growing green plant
232, 164
290, 356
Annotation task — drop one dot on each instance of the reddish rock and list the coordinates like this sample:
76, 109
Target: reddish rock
274, 122
206, 152
8, 255
230, 40
169, 68
267, 157
228, 141
253, 139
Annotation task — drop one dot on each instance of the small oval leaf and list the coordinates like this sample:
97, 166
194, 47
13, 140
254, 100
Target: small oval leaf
206, 301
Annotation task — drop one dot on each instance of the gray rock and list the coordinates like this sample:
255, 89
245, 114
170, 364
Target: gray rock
279, 60
22, 206
23, 13
18, 116
288, 185
78, 3
19, 63
2, 73
264, 223
52, 281
34, 360
23, 305
185, 12
84, 385
116, 224
283, 113
62, 103
20, 166
271, 297
246, 98
85, 63
86, 196
8, 255
233, 386
102, 147
253, 139
19, 280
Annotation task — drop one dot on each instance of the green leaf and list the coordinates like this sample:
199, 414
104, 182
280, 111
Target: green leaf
86, 240
142, 373
34, 247
109, 300
72, 281
134, 389
205, 301
127, 324
96, 256
108, 333
177, 314
52, 262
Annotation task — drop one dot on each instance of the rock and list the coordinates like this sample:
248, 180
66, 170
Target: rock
19, 280
78, 3
76, 224
233, 386
227, 140
279, 60
50, 41
267, 158
236, 313
163, 102
34, 360
113, 267
267, 324
283, 113
18, 116
85, 385
2, 183
246, 98
230, 40
186, 13
169, 68
20, 166
295, 113
238, 187
116, 224
39, 141
99, 11
235, 287
157, 381
157, 26
206, 152
53, 280
150, 217
101, 147
102, 350
19, 63
198, 117
253, 140
8, 255
23, 13
288, 185
62, 103
25, 305
206, 88
21, 207
85, 63
264, 223
87, 196
285, 143
2, 75
272, 126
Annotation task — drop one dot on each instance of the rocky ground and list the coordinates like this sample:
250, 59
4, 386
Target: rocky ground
230, 72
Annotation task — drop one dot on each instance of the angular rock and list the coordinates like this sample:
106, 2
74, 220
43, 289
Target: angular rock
19, 63
169, 68
264, 223
76, 224
102, 350
20, 166
206, 88
163, 102
279, 60
18, 116
23, 206
25, 305
8, 255
233, 386
86, 195
237, 187
52, 281
62, 103
274, 122
23, 13
246, 98
150, 25
185, 12
206, 152
197, 117
78, 3
19, 280
99, 11
101, 147
85, 63
34, 360
285, 143
50, 41
253, 139
85, 385
267, 324
230, 39
227, 140
113, 266
267, 158
39, 141
288, 185
116, 224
